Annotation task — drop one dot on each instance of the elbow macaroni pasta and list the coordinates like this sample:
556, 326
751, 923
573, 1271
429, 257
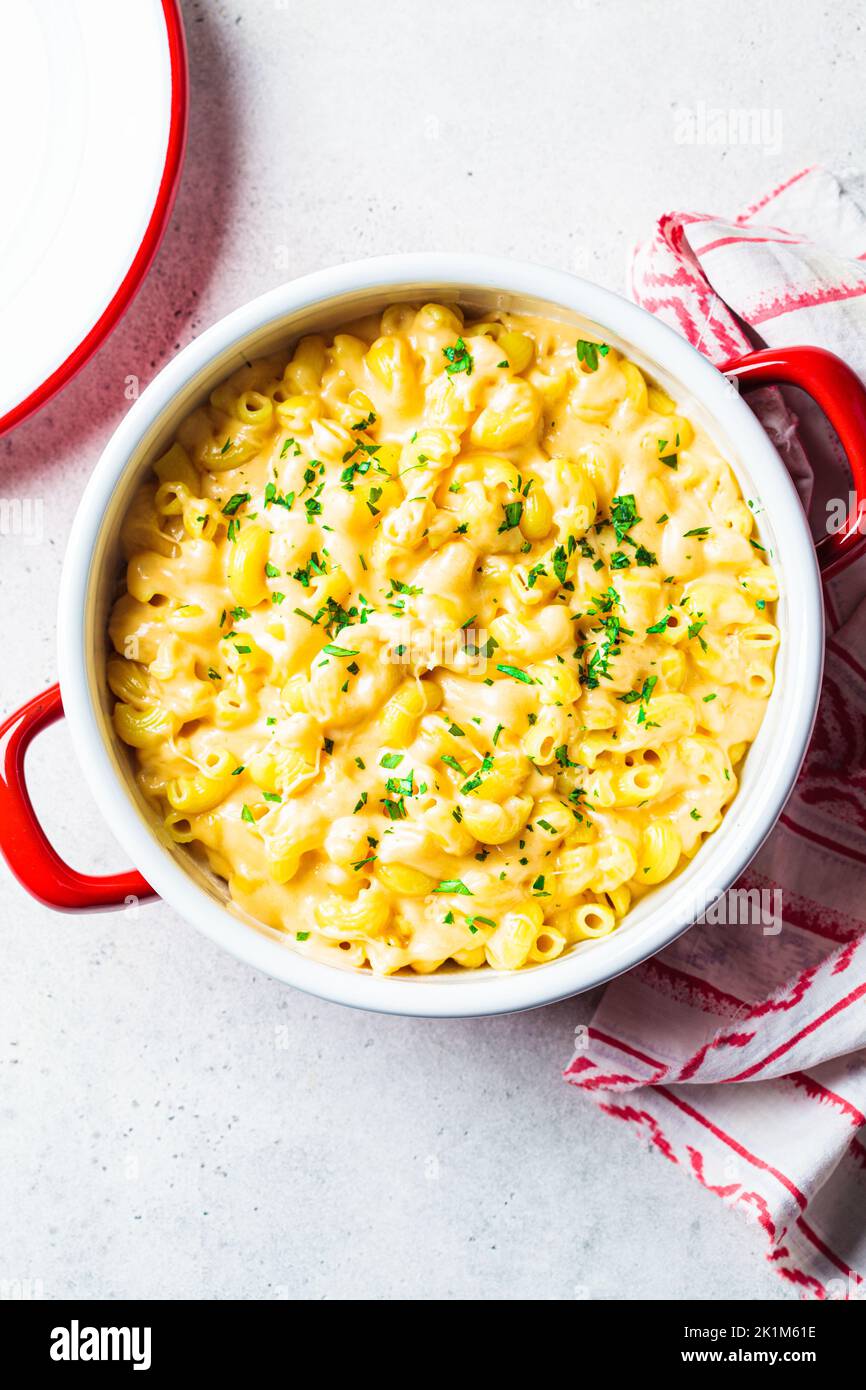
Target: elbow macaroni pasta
441, 641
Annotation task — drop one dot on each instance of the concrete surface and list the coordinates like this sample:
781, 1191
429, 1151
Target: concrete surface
172, 1124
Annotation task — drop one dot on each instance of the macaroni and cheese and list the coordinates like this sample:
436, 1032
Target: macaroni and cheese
441, 640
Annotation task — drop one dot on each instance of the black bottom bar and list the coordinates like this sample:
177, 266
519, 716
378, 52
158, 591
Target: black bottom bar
153, 1338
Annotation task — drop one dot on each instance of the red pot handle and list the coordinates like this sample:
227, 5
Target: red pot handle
841, 395
22, 840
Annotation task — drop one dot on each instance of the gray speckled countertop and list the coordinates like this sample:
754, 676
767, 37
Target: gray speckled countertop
174, 1125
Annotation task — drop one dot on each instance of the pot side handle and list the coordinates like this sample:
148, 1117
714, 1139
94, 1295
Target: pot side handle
841, 395
23, 842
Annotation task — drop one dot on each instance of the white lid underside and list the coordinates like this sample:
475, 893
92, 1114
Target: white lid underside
85, 101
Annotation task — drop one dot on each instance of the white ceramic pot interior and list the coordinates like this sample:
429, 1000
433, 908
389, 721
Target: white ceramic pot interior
94, 569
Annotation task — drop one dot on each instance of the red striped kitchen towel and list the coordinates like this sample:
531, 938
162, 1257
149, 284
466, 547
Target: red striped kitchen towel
781, 1014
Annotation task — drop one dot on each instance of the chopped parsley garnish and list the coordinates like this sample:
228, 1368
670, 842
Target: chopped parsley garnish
643, 695
588, 353
662, 624
607, 643
278, 499
513, 512
476, 779
362, 863
623, 515
517, 673
366, 422
458, 359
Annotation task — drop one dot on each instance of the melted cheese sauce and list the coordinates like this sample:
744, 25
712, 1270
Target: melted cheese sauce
442, 641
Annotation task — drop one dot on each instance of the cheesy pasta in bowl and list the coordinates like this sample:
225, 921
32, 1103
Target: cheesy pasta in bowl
440, 634
443, 636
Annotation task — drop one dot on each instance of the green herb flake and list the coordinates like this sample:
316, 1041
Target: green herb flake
623, 515
513, 512
517, 674
458, 359
588, 353
236, 500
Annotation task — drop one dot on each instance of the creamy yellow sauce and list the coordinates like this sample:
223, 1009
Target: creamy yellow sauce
442, 640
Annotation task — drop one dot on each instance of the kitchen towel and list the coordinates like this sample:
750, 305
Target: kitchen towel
739, 1052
